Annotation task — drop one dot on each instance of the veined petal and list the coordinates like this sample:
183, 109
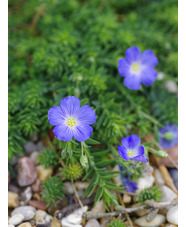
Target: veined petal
123, 67
82, 132
63, 132
131, 142
123, 152
87, 115
132, 82
70, 105
148, 76
132, 54
148, 58
140, 158
55, 115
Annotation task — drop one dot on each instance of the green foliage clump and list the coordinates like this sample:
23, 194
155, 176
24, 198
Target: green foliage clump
150, 193
72, 171
116, 223
48, 158
52, 189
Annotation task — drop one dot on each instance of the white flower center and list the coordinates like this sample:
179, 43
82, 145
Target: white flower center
71, 122
135, 67
131, 153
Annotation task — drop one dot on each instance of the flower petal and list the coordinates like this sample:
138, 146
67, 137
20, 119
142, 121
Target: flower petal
148, 76
131, 185
140, 158
132, 82
131, 142
82, 132
87, 115
123, 152
63, 132
123, 67
70, 105
148, 58
132, 54
55, 115
140, 155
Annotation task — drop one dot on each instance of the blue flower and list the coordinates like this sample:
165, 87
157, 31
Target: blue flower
131, 149
168, 136
71, 120
131, 186
138, 68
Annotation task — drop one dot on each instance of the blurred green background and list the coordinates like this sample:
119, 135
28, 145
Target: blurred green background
59, 48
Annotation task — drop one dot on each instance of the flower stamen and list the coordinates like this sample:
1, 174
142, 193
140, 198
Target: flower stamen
135, 67
131, 153
71, 122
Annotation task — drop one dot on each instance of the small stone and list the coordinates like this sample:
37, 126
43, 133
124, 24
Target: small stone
145, 182
27, 211
26, 195
80, 211
25, 224
158, 178
172, 215
27, 173
35, 157
40, 214
174, 174
44, 173
140, 213
81, 185
37, 196
92, 223
126, 198
48, 218
171, 86
170, 225
38, 204
30, 147
16, 219
40, 221
99, 207
36, 186
65, 223
11, 225
74, 218
13, 199
156, 222
167, 194
68, 189
13, 188
55, 223
60, 204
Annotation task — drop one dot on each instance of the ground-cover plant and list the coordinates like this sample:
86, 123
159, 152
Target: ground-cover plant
60, 49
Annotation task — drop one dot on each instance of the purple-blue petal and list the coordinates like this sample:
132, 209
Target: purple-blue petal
132, 82
82, 132
123, 67
123, 152
148, 76
140, 158
87, 115
132, 54
148, 58
63, 132
131, 186
131, 142
55, 115
70, 105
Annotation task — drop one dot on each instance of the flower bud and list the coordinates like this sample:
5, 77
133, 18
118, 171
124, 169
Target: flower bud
83, 160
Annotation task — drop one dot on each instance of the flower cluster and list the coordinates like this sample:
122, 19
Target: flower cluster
168, 136
138, 68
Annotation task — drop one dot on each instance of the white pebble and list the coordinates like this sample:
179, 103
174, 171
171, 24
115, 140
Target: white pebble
16, 219
74, 218
11, 225
65, 223
80, 211
158, 178
172, 215
92, 223
167, 194
145, 182
156, 222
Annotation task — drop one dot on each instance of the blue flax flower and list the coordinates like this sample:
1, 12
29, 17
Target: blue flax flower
71, 120
131, 149
138, 68
168, 136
